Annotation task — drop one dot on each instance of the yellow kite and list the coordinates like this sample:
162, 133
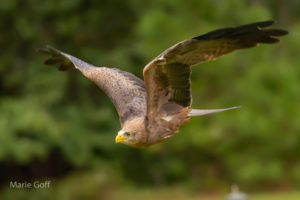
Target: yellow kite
153, 110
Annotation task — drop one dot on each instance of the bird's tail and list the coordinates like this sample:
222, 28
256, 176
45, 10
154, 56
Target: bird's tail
199, 112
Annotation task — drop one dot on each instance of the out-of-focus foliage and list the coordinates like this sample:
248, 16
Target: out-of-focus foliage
62, 119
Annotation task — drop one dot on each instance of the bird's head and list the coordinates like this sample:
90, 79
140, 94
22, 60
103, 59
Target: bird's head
132, 134
130, 138
125, 137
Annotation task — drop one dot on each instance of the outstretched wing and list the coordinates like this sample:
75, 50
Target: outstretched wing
167, 77
126, 91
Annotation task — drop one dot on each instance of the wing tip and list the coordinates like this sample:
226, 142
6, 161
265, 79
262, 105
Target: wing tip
48, 50
42, 50
266, 23
241, 30
57, 57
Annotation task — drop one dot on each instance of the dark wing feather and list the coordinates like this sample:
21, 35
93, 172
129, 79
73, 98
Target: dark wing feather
167, 77
220, 42
126, 91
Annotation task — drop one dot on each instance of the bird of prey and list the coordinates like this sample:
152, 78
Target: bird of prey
152, 110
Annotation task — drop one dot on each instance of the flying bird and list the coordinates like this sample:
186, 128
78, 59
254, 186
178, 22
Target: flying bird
152, 110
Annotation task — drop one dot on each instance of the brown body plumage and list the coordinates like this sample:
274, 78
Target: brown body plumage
154, 110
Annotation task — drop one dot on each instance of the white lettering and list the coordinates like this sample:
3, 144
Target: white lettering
38, 184
18, 185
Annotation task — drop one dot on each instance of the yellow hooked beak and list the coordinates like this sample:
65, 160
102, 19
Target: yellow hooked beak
120, 138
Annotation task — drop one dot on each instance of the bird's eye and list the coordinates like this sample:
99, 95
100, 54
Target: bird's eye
127, 134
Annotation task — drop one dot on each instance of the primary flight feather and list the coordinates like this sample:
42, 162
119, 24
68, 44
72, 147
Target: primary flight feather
154, 110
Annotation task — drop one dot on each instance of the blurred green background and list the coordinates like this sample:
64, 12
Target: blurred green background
60, 127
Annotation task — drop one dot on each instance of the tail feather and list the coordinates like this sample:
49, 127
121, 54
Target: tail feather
199, 112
